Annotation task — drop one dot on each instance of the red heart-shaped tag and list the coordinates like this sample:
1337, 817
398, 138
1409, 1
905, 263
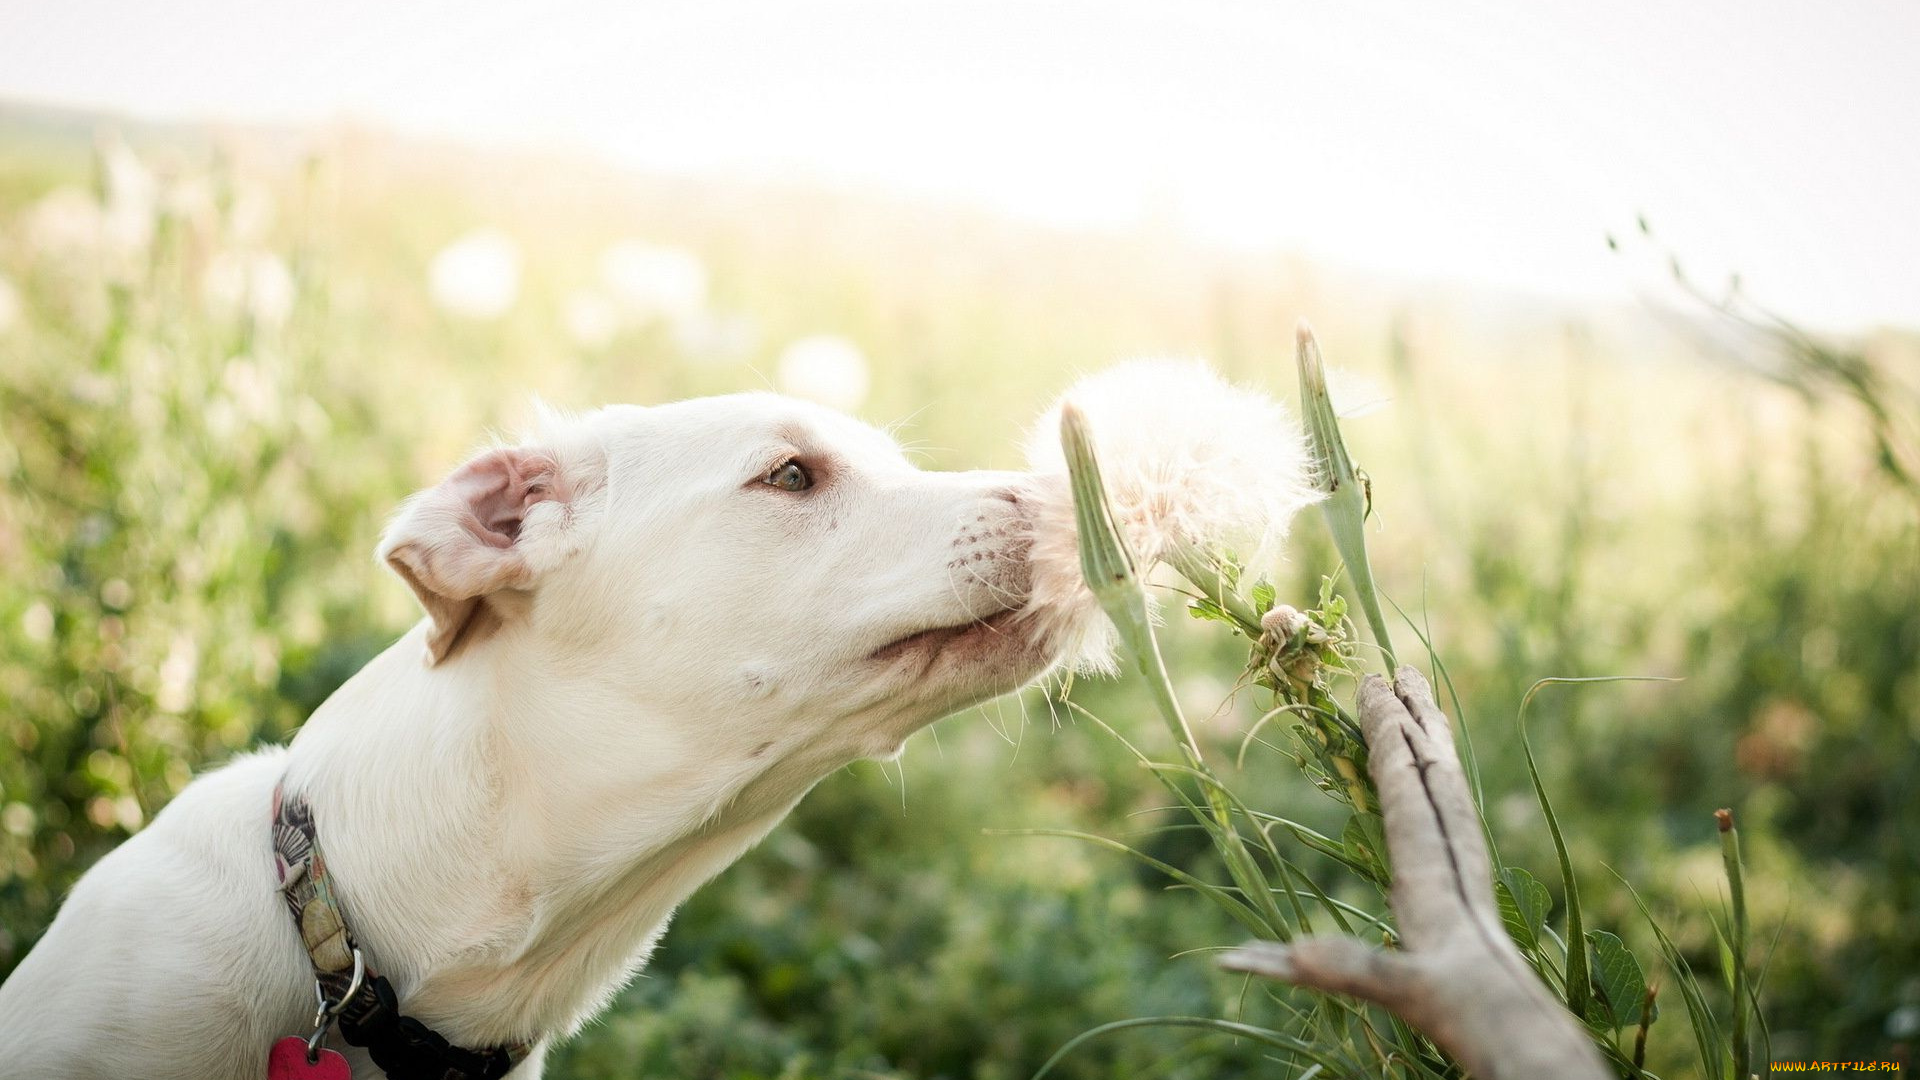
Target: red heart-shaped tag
288, 1061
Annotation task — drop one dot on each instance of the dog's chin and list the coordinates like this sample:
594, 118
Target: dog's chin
952, 667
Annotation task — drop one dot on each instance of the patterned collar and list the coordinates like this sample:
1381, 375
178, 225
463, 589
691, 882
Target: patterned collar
350, 992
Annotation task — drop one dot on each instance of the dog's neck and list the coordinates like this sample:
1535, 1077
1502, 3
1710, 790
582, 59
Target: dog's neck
500, 869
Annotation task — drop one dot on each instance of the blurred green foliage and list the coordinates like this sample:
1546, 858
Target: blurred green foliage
222, 366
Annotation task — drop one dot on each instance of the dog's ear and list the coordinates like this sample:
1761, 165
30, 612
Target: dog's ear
491, 527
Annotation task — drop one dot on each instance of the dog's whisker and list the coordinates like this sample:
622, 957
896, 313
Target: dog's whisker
995, 728
1019, 742
762, 376
1001, 594
1007, 602
895, 426
1053, 711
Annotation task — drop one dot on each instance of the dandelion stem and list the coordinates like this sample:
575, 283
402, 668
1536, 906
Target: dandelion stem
1344, 504
1111, 575
1109, 570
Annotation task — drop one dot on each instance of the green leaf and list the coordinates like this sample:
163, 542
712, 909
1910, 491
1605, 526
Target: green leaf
1524, 904
1263, 594
1365, 842
1617, 978
1204, 608
1579, 992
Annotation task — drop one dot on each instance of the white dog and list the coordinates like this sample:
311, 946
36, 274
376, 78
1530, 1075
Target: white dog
650, 631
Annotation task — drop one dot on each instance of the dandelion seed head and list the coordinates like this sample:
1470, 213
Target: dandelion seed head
1187, 458
591, 319
66, 222
109, 228
712, 338
651, 281
825, 368
476, 276
190, 201
254, 392
250, 216
1283, 621
131, 199
177, 674
256, 284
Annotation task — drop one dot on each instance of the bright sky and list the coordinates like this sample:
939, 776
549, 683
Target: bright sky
1491, 142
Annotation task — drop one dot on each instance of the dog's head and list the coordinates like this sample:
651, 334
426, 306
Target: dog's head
750, 567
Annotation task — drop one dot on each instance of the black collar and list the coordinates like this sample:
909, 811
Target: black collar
351, 994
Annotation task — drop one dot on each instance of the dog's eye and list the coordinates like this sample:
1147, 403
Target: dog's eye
790, 477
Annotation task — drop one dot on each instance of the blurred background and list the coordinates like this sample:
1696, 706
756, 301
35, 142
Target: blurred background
1631, 286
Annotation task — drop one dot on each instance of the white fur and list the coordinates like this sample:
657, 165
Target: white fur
679, 653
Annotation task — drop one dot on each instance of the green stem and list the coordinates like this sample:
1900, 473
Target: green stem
1108, 568
1736, 884
1110, 574
1344, 505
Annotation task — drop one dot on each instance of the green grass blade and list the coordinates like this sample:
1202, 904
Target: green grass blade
1242, 914
1579, 988
1706, 1029
1736, 884
1579, 991
1244, 1031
